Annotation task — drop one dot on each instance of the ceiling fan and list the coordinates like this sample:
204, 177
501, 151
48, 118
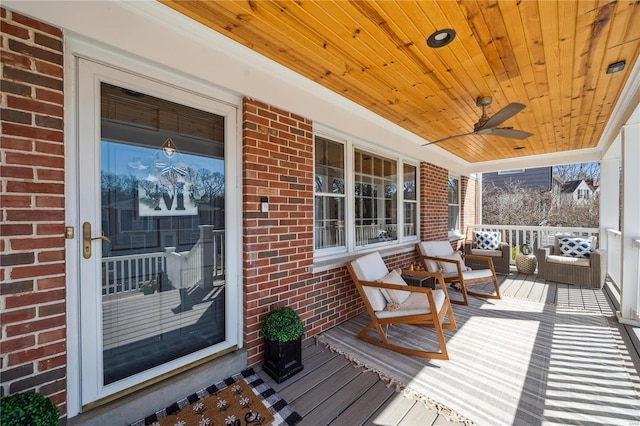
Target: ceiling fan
489, 125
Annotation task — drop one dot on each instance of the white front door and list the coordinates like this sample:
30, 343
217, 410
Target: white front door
153, 283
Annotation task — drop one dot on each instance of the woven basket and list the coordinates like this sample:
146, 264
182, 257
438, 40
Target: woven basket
526, 263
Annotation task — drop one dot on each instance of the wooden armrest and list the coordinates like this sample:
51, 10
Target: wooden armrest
395, 286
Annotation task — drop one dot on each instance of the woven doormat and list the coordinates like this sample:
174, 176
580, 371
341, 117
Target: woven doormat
243, 398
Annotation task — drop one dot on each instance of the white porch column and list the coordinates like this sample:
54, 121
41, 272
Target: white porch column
630, 297
610, 209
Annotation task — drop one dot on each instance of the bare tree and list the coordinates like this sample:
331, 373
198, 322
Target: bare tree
515, 204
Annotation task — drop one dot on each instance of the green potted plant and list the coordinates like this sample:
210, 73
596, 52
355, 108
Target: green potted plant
32, 409
148, 287
282, 330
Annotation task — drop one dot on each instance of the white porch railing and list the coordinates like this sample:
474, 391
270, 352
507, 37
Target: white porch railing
534, 236
614, 256
123, 274
202, 265
333, 235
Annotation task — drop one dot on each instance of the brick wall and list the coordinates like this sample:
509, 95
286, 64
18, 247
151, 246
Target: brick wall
32, 301
278, 245
434, 213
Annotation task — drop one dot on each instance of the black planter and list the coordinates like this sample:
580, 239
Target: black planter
282, 359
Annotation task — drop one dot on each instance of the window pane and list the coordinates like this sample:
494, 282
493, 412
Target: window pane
453, 191
454, 218
376, 199
329, 222
409, 184
329, 205
410, 219
454, 204
329, 166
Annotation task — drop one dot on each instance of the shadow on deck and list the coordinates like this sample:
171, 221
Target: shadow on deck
333, 391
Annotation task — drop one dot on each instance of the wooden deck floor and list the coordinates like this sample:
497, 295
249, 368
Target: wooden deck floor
332, 391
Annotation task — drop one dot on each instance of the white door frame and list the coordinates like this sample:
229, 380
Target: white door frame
82, 78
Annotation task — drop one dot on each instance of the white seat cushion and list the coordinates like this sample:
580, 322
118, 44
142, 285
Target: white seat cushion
435, 249
492, 253
447, 267
416, 304
371, 267
577, 261
477, 274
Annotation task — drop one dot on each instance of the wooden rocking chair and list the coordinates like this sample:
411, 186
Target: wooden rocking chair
439, 256
389, 300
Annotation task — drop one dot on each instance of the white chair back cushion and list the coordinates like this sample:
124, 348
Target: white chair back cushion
371, 267
436, 249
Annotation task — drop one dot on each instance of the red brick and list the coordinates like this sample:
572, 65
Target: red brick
50, 174
32, 132
19, 272
17, 172
34, 298
37, 353
15, 59
37, 25
50, 228
34, 216
50, 148
18, 344
50, 256
29, 327
50, 363
8, 142
19, 158
52, 309
51, 96
48, 283
17, 229
50, 201
17, 316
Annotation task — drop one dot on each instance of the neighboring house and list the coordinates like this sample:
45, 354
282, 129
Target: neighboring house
539, 177
575, 191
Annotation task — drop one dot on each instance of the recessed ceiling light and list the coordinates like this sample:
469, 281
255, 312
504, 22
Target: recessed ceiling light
441, 38
615, 67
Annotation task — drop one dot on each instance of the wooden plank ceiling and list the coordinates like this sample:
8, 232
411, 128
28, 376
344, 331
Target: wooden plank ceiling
548, 55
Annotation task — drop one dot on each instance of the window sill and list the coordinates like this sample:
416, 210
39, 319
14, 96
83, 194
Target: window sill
338, 261
455, 236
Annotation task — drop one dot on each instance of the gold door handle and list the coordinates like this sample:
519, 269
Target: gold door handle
86, 239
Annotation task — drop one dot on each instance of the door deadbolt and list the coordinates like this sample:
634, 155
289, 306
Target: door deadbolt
86, 239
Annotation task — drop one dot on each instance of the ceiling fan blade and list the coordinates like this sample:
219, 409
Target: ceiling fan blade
509, 132
502, 115
447, 138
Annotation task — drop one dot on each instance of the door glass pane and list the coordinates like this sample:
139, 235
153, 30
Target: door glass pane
162, 190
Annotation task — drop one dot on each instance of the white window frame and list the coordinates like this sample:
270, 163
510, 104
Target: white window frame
350, 144
454, 233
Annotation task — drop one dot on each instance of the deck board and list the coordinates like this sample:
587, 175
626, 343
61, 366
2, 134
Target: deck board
339, 400
332, 390
392, 412
361, 409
